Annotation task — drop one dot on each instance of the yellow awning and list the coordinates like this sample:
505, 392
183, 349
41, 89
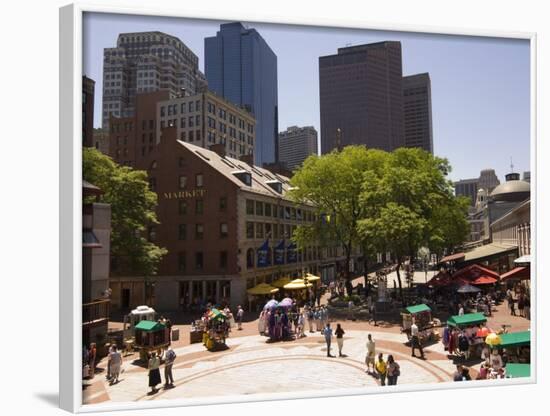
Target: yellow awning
312, 277
280, 282
297, 284
262, 289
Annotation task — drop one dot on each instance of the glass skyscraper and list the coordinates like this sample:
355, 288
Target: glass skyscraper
241, 67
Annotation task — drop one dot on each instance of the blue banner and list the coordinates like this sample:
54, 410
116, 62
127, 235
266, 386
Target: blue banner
263, 258
291, 253
280, 253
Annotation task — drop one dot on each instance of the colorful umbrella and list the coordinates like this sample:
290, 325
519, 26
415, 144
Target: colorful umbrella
286, 303
483, 332
271, 304
484, 280
492, 340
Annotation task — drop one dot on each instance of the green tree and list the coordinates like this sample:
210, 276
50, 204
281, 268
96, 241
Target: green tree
132, 211
405, 205
449, 227
333, 184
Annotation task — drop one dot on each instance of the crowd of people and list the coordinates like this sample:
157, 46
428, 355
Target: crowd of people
518, 298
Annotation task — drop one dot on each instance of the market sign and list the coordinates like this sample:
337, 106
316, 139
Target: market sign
185, 194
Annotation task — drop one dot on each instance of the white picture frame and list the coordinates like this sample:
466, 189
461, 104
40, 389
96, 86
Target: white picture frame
70, 202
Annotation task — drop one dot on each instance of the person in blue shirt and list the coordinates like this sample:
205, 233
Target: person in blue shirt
327, 332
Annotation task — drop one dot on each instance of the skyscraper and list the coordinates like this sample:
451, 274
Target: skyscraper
488, 180
296, 144
241, 67
146, 62
417, 111
361, 94
468, 188
88, 89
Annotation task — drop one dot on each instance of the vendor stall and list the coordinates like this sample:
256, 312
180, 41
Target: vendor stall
216, 329
517, 346
469, 319
151, 336
518, 370
422, 315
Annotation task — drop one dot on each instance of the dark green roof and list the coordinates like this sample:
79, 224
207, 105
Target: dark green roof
418, 308
515, 339
518, 370
149, 326
467, 319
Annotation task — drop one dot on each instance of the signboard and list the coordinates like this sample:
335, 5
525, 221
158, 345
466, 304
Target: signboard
280, 253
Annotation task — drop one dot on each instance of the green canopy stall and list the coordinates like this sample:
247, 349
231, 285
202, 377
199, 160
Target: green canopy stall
468, 319
515, 339
518, 370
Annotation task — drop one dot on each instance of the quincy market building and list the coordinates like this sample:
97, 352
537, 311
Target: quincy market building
226, 225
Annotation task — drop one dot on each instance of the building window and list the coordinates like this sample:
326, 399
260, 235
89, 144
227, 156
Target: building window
223, 203
249, 230
199, 206
153, 184
182, 181
199, 260
182, 207
268, 210
199, 231
182, 232
259, 208
223, 259
267, 230
223, 230
274, 211
259, 230
250, 258
249, 207
198, 180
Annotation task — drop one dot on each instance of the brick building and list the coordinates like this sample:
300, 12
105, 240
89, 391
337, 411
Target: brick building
226, 225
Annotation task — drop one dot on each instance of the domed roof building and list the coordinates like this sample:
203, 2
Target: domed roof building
513, 190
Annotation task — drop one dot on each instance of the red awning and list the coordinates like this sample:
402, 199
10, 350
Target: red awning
522, 273
452, 257
440, 279
484, 280
474, 271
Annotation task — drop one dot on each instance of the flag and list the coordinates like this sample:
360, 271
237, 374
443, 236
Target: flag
291, 253
280, 253
263, 258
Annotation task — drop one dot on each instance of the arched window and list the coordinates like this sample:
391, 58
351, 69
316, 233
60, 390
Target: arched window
250, 258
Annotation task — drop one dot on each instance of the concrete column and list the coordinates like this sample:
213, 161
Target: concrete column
203, 294
217, 291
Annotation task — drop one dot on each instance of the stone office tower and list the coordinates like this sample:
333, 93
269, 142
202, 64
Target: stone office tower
361, 93
146, 62
241, 67
296, 144
417, 111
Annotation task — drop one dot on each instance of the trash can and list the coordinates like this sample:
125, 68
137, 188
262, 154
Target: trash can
175, 334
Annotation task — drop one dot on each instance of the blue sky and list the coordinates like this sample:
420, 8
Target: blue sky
480, 86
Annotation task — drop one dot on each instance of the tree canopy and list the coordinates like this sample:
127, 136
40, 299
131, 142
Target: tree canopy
380, 201
132, 211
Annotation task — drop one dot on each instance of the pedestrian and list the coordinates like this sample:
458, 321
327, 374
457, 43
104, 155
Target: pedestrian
317, 318
511, 304
521, 305
460, 310
168, 363
527, 307
381, 369
461, 373
114, 363
339, 338
371, 354
415, 340
240, 314
350, 310
108, 376
154, 372
327, 332
168, 324
310, 316
373, 313
393, 371
495, 360
92, 357
300, 333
